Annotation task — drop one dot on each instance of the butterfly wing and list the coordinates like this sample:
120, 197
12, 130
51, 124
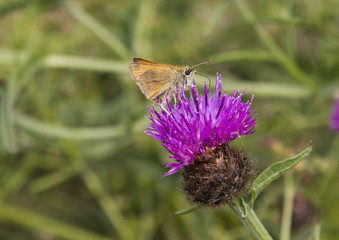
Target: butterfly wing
154, 82
146, 62
152, 78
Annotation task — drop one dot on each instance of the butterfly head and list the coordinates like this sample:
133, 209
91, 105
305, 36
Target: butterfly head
189, 75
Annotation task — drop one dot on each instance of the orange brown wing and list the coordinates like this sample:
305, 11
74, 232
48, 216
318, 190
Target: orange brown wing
156, 81
140, 60
153, 78
154, 64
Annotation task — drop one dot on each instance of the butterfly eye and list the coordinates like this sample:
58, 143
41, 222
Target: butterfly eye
187, 72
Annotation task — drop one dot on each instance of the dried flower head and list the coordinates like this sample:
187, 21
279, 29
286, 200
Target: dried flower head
217, 177
196, 132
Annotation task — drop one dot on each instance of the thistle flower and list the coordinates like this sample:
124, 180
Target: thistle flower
197, 133
334, 122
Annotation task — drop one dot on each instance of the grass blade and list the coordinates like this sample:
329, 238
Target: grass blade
33, 220
99, 30
280, 56
6, 125
9, 57
242, 56
95, 186
24, 70
216, 16
145, 11
80, 133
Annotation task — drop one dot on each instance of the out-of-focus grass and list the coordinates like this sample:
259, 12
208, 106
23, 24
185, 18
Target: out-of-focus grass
75, 163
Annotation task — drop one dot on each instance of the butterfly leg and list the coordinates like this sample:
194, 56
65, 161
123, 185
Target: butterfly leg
175, 99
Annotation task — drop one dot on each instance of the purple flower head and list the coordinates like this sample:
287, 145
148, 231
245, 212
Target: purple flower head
334, 124
199, 122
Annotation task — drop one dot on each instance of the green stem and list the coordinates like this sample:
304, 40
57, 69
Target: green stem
248, 217
290, 33
285, 232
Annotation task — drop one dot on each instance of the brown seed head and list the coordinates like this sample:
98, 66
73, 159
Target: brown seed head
217, 177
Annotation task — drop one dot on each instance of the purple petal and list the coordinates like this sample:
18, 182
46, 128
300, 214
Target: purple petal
200, 121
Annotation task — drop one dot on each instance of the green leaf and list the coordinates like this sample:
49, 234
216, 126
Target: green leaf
273, 172
188, 210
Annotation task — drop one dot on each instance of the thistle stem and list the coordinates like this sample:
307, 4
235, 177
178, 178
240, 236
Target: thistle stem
248, 217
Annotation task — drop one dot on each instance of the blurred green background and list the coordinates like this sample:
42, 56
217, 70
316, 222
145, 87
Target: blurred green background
74, 160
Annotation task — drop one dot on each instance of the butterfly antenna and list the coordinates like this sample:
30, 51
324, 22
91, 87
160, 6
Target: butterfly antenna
207, 61
209, 80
